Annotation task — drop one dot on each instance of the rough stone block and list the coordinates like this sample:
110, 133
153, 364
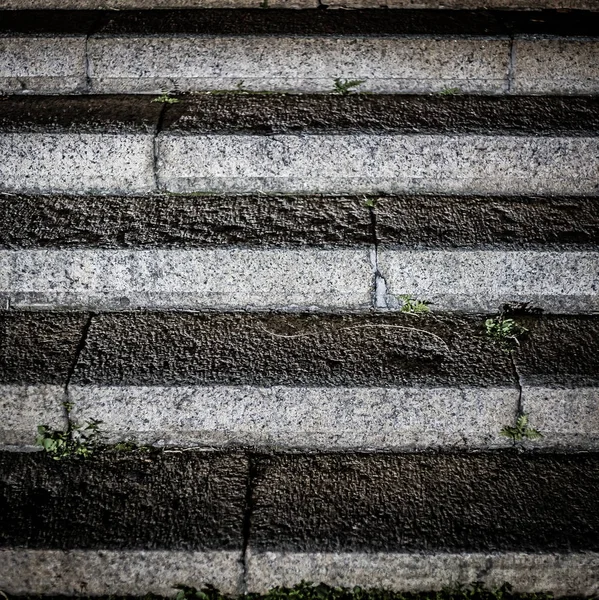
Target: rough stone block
42, 65
484, 280
556, 66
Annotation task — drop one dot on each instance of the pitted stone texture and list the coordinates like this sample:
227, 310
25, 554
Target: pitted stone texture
556, 66
23, 408
362, 164
210, 278
77, 163
565, 574
296, 64
190, 501
42, 65
116, 573
331, 418
462, 4
462, 502
38, 347
153, 4
567, 418
146, 349
382, 114
559, 351
490, 222
482, 281
184, 221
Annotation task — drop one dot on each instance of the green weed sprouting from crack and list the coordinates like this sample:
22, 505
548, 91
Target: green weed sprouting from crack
521, 431
166, 98
455, 91
345, 86
77, 441
413, 306
370, 202
505, 332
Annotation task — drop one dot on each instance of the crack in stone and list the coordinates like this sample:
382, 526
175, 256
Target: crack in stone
247, 520
511, 66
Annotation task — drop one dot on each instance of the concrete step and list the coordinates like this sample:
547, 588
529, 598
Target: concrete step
471, 254
301, 144
326, 382
297, 4
135, 523
489, 52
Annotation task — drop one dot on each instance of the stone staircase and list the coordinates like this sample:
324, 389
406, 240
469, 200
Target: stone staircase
322, 275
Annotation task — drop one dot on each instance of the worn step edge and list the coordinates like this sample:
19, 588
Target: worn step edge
112, 572
317, 418
149, 54
295, 279
115, 145
136, 573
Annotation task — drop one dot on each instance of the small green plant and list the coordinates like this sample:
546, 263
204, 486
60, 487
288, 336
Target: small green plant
455, 91
76, 441
345, 86
370, 202
506, 332
521, 431
166, 98
412, 305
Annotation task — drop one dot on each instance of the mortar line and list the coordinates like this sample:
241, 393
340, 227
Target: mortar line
511, 65
95, 26
379, 282
519, 410
247, 520
78, 351
155, 145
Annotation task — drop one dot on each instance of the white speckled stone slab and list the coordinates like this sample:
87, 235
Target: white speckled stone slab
324, 418
484, 280
233, 278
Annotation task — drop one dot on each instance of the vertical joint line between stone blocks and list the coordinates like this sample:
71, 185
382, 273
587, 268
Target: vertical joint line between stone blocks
379, 292
155, 146
78, 351
511, 65
247, 519
519, 408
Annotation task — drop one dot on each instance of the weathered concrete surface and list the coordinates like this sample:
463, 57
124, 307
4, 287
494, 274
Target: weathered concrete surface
560, 352
556, 66
296, 64
402, 222
170, 221
361, 144
38, 347
79, 163
483, 222
220, 278
335, 418
42, 65
565, 574
180, 349
78, 144
118, 573
426, 503
190, 501
483, 115
485, 280
23, 408
363, 164
455, 4
152, 4
568, 418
